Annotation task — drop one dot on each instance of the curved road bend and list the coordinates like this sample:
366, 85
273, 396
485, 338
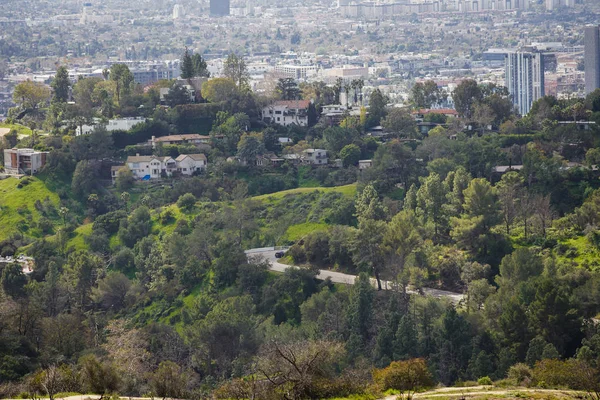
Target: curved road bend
268, 253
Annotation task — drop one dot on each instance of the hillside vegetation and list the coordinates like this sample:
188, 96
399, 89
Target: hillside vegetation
143, 288
23, 203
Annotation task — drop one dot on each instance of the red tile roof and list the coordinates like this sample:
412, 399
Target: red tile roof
297, 104
445, 111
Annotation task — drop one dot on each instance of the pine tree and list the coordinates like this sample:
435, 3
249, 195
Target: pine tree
384, 349
360, 311
199, 66
405, 341
187, 65
61, 85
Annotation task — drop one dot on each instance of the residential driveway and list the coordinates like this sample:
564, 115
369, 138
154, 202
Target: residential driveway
268, 253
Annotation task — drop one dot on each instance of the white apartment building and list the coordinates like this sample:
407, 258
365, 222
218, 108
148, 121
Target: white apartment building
295, 71
346, 72
525, 79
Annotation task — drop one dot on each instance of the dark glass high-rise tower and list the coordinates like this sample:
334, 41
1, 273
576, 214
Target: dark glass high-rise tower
219, 8
592, 58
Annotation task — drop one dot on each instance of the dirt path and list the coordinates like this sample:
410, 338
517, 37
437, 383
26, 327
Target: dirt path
4, 131
470, 392
92, 397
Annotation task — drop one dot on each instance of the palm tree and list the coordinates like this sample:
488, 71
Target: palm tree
360, 83
347, 87
337, 88
63, 211
354, 86
125, 196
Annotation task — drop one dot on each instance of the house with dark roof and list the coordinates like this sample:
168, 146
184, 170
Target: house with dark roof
287, 112
191, 138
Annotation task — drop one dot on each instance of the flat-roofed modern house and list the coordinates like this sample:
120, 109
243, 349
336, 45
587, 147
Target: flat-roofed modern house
24, 161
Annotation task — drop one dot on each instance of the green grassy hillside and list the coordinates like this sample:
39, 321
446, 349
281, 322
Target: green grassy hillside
21, 129
17, 206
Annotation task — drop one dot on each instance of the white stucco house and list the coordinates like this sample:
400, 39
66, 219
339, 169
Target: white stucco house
287, 112
315, 156
187, 164
153, 167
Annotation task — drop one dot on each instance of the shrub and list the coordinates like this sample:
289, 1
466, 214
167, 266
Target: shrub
166, 217
45, 225
520, 373
485, 381
405, 376
109, 222
186, 202
297, 253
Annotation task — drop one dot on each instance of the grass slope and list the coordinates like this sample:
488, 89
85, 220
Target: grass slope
21, 129
17, 210
347, 190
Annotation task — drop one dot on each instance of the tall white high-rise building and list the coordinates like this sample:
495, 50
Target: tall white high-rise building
525, 79
178, 11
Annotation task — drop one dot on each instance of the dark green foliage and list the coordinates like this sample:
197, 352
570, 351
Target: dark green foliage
140, 133
109, 222
195, 118
178, 94
186, 202
359, 315
85, 178
284, 296
136, 227
13, 280
60, 85
453, 349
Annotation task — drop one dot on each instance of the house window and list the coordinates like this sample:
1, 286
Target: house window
278, 119
185, 170
278, 112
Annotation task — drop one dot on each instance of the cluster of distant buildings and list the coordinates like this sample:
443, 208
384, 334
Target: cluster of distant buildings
381, 9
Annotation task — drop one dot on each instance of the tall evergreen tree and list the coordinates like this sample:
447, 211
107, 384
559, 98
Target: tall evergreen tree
199, 66
187, 65
61, 85
359, 314
406, 344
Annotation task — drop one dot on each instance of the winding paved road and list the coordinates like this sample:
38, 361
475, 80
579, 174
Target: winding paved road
268, 253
